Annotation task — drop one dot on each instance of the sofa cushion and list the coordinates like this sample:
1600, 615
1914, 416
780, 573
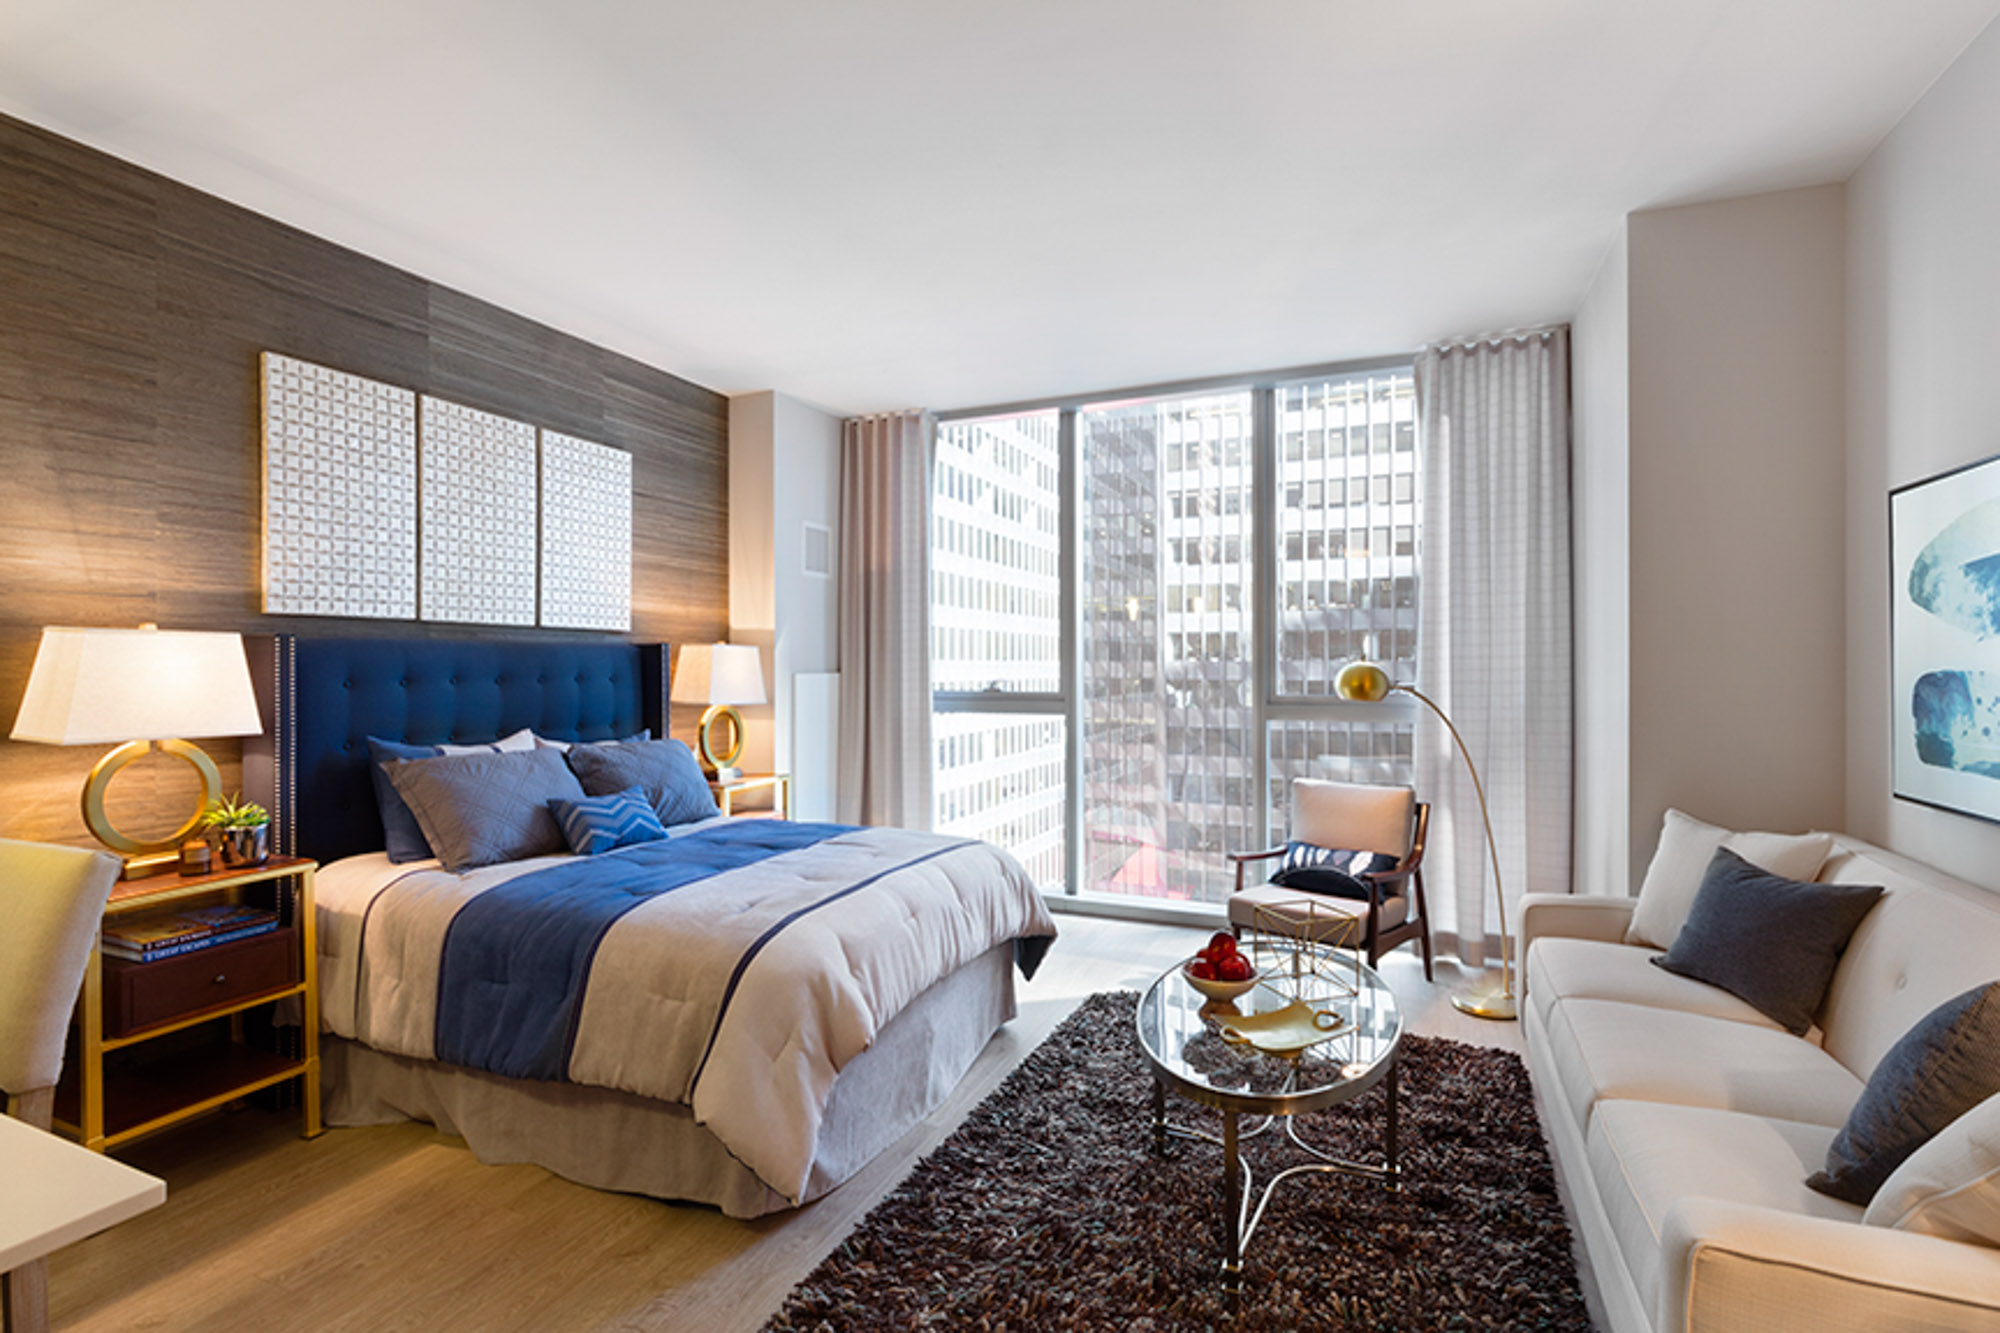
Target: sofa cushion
1771, 940
1644, 1157
1686, 846
1602, 1050
1930, 938
1563, 969
1950, 1187
1943, 1067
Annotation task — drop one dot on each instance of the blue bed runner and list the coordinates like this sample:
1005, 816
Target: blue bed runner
515, 959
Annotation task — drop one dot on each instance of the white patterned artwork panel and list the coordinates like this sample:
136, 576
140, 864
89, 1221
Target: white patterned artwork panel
478, 516
586, 534
340, 493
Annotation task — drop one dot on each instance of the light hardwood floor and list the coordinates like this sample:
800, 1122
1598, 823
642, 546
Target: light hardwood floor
400, 1228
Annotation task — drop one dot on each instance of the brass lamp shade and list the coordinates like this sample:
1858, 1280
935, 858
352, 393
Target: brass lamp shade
1366, 682
147, 688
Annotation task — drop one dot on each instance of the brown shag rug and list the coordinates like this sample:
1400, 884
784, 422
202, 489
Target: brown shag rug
1047, 1209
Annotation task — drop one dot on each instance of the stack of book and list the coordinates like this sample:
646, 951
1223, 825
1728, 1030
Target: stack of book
152, 936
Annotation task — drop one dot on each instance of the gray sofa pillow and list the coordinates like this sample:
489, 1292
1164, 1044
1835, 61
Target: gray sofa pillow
1940, 1069
480, 809
1771, 941
666, 770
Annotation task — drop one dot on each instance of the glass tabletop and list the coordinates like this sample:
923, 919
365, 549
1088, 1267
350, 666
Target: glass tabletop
1204, 1048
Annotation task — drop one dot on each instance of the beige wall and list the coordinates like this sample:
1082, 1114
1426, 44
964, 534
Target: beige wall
784, 472
1731, 388
1600, 486
1923, 395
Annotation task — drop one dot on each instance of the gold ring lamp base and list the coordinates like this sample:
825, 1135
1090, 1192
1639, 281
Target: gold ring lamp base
719, 760
147, 857
1365, 682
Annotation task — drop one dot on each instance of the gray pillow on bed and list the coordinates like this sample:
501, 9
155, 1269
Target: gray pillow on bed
665, 769
481, 809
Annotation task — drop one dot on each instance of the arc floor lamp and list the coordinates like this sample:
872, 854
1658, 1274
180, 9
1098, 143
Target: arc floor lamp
1366, 682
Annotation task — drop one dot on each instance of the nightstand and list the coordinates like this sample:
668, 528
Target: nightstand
779, 784
179, 1049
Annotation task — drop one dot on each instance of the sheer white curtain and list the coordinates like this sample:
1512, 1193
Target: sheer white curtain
1494, 425
885, 651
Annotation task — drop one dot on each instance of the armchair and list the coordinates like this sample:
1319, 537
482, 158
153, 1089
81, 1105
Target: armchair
1387, 903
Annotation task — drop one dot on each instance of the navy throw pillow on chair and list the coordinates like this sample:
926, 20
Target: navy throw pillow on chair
1329, 870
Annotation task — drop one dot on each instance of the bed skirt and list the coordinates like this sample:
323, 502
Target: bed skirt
619, 1141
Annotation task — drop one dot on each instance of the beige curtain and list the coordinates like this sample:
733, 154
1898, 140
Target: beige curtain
885, 657
1494, 424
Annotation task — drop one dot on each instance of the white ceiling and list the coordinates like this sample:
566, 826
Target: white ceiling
871, 204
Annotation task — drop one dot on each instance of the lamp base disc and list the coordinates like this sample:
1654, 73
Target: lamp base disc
1495, 1005
158, 863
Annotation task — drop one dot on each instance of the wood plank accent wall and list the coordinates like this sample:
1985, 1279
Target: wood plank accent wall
132, 311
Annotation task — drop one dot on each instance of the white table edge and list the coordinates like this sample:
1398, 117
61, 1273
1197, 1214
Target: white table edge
41, 1170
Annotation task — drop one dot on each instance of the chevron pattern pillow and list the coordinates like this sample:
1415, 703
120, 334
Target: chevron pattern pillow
599, 823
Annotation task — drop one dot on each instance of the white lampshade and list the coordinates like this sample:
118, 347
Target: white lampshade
719, 673
108, 686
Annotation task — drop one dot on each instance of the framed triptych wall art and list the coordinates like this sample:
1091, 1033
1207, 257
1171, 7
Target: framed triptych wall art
1944, 626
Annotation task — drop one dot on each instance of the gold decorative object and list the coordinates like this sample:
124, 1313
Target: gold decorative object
1284, 1032
1282, 936
142, 689
1365, 682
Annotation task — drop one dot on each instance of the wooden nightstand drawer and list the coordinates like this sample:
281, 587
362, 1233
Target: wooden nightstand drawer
139, 995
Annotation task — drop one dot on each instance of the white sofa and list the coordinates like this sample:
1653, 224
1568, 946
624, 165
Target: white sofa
1685, 1122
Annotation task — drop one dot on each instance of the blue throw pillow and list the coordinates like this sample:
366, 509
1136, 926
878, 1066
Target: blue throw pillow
665, 770
1329, 870
1940, 1069
599, 823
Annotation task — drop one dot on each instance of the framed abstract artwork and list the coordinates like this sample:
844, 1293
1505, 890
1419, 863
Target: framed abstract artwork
1944, 631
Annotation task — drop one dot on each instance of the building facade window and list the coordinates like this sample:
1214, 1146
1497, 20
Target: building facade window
1137, 611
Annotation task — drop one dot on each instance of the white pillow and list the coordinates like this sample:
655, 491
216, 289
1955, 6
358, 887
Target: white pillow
1950, 1187
524, 739
1687, 846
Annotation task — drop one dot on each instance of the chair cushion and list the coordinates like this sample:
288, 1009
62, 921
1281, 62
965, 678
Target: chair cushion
1602, 1050
1645, 1156
1943, 1067
1950, 1187
1347, 814
1771, 940
1324, 918
1329, 870
1686, 847
1565, 969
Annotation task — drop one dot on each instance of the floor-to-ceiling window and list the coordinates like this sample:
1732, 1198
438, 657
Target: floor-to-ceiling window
1137, 609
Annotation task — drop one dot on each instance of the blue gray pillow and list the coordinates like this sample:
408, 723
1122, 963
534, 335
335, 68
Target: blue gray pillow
599, 823
480, 809
1940, 1069
665, 770
1329, 870
1765, 939
402, 838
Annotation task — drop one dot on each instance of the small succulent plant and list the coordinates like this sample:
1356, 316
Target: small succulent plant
234, 812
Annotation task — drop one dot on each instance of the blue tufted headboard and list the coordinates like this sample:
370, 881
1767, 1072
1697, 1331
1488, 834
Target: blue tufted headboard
322, 699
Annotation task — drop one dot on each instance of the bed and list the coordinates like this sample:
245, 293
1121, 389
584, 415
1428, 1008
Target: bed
743, 1013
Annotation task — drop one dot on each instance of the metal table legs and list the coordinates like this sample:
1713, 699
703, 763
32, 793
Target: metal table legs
1239, 1222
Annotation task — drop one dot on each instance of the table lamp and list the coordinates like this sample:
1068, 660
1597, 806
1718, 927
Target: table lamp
1365, 682
143, 690
720, 675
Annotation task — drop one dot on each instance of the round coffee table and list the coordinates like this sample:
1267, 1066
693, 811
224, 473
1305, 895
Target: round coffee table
1184, 1037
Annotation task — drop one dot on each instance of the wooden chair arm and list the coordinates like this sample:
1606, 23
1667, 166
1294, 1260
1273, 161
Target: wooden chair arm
1241, 857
